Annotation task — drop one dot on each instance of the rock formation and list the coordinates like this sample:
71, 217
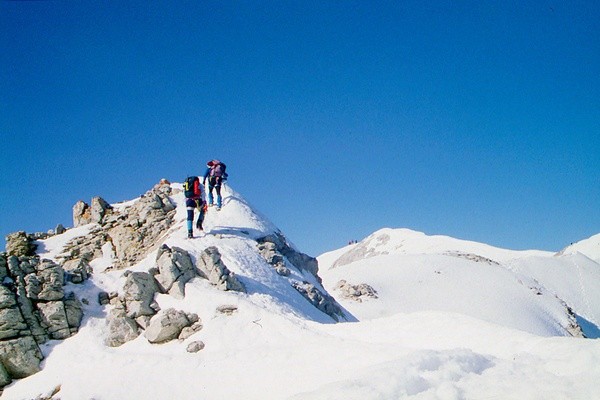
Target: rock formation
34, 308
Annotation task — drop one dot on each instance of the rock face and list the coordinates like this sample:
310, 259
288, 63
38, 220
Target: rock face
320, 300
274, 247
20, 244
33, 309
133, 231
211, 267
356, 292
175, 269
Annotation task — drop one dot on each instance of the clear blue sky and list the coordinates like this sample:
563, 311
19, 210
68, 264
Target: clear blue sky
478, 120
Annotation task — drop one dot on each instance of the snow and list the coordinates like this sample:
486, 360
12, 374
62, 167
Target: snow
589, 247
454, 320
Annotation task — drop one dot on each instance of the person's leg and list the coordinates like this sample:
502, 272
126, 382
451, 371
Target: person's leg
211, 186
218, 189
200, 219
190, 205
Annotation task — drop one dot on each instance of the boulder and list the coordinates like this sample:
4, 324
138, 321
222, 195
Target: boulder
195, 346
46, 284
77, 270
174, 269
74, 312
20, 357
59, 230
211, 267
166, 325
121, 328
82, 214
139, 288
20, 244
54, 319
5, 378
355, 292
12, 323
99, 209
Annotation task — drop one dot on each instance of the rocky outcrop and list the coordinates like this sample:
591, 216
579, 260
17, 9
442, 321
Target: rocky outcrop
320, 300
33, 309
20, 244
121, 328
133, 310
168, 325
355, 292
268, 250
140, 288
132, 231
274, 247
174, 269
211, 267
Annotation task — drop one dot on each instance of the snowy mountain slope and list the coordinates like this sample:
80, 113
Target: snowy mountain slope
276, 345
589, 247
413, 272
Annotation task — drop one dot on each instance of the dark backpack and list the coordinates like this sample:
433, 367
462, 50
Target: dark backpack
191, 187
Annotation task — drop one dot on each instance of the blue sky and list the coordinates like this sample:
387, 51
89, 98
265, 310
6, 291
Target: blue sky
478, 120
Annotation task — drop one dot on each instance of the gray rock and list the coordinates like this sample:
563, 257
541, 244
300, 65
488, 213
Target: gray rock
166, 326
211, 267
12, 323
20, 244
175, 269
47, 283
74, 311
227, 309
59, 230
195, 346
82, 214
54, 319
139, 289
20, 357
30, 313
4, 377
190, 330
3, 267
99, 209
77, 270
320, 300
121, 328
274, 247
7, 298
103, 298
356, 292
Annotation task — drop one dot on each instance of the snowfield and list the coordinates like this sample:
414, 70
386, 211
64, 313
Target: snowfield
452, 320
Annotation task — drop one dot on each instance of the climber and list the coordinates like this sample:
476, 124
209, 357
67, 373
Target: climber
215, 172
194, 198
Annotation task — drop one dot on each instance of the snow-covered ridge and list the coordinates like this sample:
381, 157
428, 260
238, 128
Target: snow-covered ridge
589, 247
451, 319
406, 241
534, 291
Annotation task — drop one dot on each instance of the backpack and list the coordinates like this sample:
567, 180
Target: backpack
218, 169
191, 187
